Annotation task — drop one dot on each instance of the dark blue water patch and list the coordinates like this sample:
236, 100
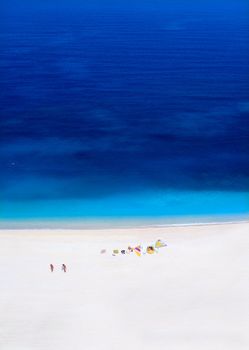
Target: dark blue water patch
95, 104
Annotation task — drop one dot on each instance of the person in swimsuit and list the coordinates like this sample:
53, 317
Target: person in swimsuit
64, 268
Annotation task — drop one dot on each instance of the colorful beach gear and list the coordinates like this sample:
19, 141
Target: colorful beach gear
138, 250
160, 244
150, 250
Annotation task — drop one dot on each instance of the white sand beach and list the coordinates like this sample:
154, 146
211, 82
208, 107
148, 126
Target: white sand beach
192, 295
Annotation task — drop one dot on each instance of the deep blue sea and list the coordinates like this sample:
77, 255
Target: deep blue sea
124, 111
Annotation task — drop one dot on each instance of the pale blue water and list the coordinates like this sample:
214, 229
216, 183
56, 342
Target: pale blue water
117, 110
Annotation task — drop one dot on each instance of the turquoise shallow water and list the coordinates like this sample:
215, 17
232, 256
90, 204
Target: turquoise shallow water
167, 204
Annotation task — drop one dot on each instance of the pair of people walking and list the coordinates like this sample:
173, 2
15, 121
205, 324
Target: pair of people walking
63, 267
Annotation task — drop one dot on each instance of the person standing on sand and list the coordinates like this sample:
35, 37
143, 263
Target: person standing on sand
64, 268
51, 267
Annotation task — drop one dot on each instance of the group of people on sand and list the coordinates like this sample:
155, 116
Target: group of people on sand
139, 249
63, 267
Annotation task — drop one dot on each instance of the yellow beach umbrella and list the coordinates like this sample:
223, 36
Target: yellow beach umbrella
160, 244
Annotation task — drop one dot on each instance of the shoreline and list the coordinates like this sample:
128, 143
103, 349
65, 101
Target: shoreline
121, 223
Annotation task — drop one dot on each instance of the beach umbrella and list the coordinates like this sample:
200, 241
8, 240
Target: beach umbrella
138, 250
150, 250
115, 251
160, 244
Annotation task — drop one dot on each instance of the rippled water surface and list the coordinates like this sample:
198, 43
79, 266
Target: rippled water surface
129, 111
